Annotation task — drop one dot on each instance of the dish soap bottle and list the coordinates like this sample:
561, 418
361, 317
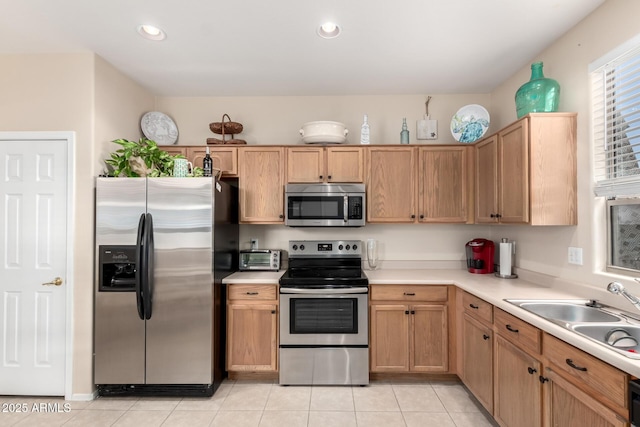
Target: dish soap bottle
364, 131
207, 164
404, 134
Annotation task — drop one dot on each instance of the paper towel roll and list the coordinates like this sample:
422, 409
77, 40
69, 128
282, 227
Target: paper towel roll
506, 259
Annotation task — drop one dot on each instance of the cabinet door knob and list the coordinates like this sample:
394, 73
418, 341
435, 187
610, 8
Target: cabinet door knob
273, 312
510, 328
543, 379
406, 312
421, 216
320, 176
413, 312
280, 216
413, 216
574, 366
485, 337
329, 177
531, 370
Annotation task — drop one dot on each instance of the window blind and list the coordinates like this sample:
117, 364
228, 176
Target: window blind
616, 125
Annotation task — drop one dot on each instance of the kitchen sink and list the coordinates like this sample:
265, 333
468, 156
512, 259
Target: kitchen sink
624, 338
566, 310
614, 329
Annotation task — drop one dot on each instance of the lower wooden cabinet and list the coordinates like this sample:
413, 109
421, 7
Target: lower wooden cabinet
408, 335
477, 360
252, 328
517, 388
568, 406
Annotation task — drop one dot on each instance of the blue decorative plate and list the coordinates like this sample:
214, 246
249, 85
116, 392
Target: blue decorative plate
470, 123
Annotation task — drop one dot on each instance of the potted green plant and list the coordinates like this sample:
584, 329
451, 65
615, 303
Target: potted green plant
142, 158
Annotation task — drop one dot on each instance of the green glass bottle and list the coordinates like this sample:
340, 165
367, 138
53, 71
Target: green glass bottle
404, 134
539, 95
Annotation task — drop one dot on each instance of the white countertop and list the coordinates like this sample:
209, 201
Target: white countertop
488, 287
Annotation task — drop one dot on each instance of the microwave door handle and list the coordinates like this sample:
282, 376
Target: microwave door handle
346, 208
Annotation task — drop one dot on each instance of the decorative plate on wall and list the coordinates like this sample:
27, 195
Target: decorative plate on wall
159, 127
470, 123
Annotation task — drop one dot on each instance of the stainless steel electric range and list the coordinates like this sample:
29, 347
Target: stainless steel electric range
324, 325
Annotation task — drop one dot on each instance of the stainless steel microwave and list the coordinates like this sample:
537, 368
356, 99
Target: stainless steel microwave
325, 205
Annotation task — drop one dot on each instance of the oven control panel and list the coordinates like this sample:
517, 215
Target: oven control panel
324, 248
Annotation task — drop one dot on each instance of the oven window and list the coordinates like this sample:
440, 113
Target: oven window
314, 207
323, 316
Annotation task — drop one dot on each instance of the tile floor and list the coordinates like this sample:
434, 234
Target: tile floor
266, 404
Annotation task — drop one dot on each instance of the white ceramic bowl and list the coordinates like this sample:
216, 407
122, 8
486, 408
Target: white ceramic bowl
323, 131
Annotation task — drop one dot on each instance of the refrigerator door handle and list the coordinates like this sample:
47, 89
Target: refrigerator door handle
140, 270
149, 265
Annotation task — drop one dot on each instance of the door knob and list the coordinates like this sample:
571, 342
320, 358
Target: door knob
56, 282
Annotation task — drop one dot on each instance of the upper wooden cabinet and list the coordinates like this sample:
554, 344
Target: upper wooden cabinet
391, 184
224, 157
526, 173
261, 183
443, 183
418, 184
325, 164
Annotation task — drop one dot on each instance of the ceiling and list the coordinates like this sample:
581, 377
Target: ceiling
267, 48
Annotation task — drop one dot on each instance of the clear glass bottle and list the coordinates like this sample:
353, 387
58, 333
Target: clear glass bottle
404, 134
364, 131
539, 95
207, 164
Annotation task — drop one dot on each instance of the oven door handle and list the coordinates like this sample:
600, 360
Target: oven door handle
325, 291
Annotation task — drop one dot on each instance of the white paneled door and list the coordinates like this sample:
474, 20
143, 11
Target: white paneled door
33, 217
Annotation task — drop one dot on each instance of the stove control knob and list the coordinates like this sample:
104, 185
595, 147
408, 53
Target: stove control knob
295, 247
348, 247
355, 247
302, 247
340, 247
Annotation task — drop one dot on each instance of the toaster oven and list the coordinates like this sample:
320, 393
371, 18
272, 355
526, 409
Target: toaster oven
259, 260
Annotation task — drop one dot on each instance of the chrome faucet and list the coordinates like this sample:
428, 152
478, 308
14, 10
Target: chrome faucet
618, 289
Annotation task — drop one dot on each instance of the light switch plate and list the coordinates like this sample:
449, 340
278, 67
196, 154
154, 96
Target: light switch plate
575, 256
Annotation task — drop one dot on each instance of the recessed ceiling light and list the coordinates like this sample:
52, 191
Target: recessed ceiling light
329, 30
151, 32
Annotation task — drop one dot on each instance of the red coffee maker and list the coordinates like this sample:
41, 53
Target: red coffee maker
480, 256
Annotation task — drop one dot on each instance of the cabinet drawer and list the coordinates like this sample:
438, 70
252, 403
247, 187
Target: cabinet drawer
408, 293
517, 331
478, 308
600, 377
252, 292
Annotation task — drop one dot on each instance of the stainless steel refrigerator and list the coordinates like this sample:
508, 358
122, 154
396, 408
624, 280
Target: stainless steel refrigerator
163, 246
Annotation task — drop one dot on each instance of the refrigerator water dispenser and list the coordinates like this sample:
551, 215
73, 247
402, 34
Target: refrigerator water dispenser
117, 268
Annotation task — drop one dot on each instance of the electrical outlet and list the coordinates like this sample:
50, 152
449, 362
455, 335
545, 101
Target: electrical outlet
575, 256
254, 243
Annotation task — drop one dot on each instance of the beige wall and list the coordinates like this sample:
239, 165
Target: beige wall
55, 93
83, 94
277, 119
544, 249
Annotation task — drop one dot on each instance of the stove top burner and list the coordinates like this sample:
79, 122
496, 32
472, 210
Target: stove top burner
325, 263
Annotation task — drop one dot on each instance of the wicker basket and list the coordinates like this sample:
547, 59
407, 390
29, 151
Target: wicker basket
225, 128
